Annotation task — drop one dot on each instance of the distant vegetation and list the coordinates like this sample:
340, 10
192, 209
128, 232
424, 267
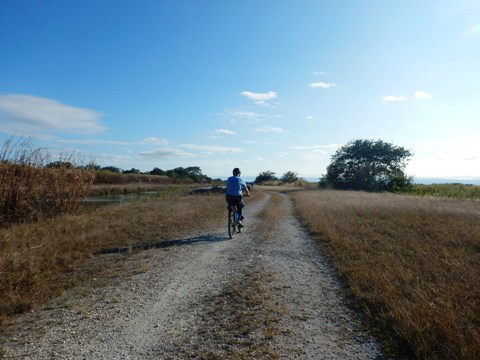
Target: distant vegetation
114, 175
454, 190
179, 175
268, 178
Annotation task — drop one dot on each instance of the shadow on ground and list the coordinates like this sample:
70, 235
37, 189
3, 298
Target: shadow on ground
204, 239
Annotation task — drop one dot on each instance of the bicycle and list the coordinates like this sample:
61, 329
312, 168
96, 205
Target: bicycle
233, 226
233, 218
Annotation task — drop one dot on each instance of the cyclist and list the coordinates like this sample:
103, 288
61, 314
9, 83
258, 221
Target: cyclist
234, 193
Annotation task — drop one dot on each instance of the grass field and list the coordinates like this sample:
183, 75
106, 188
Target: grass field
39, 260
412, 263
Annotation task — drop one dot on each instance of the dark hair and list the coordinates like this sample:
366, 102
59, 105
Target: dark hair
236, 171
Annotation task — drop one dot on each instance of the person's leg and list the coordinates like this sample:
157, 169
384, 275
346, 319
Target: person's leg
240, 208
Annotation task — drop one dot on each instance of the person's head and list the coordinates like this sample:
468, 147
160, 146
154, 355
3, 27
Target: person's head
236, 172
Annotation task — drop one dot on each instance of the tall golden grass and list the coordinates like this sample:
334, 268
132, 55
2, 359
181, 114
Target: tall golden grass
413, 264
30, 190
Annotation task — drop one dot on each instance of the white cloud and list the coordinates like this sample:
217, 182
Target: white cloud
422, 95
319, 72
154, 140
260, 98
322, 85
269, 128
32, 113
392, 98
211, 149
226, 132
164, 154
259, 158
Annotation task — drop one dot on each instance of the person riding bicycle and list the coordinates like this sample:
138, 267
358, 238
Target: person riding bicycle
234, 193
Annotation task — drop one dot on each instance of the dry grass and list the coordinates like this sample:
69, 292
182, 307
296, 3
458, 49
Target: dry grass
412, 263
39, 260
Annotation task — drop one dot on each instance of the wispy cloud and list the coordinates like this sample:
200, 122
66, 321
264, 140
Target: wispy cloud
260, 98
93, 142
154, 140
165, 154
319, 72
226, 132
322, 85
474, 29
391, 98
250, 115
314, 152
269, 128
212, 149
32, 113
422, 95
259, 158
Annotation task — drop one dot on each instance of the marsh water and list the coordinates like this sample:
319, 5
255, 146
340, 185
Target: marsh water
112, 199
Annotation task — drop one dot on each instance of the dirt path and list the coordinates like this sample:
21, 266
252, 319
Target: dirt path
264, 294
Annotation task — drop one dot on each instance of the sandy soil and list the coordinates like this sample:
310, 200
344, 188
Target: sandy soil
206, 297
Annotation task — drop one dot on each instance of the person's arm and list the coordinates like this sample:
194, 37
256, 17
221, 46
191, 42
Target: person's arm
245, 188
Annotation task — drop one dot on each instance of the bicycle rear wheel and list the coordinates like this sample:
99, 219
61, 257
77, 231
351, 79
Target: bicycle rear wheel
232, 225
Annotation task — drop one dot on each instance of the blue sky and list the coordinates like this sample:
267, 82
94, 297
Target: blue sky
263, 85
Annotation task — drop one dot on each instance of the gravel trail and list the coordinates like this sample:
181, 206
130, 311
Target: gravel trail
205, 297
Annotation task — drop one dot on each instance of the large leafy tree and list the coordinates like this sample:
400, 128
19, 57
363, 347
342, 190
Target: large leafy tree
265, 176
371, 165
289, 177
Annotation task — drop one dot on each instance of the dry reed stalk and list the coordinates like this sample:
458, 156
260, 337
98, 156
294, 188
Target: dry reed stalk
412, 262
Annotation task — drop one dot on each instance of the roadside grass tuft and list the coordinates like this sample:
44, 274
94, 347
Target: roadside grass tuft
412, 263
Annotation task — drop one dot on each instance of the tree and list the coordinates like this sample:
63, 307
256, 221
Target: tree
112, 169
368, 165
289, 177
265, 176
60, 164
157, 171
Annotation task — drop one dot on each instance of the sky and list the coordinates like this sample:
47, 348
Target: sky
276, 85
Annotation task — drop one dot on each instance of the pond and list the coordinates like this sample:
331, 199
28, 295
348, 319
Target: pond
102, 200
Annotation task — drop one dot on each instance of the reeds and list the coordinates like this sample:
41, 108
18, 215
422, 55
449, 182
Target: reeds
31, 188
412, 263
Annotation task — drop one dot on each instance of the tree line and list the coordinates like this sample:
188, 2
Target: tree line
192, 172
